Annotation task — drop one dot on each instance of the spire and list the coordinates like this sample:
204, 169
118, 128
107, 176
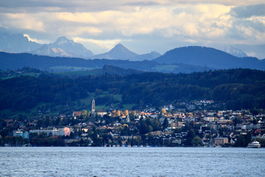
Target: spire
93, 106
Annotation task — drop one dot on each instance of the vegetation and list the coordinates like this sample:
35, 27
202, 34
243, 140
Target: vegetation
47, 92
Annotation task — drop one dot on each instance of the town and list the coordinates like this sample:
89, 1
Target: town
168, 126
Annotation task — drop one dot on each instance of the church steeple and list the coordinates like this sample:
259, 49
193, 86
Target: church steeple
93, 107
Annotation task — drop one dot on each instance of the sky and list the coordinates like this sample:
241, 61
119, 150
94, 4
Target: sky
142, 26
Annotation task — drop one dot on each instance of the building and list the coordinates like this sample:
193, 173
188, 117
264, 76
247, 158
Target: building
49, 132
77, 113
102, 113
220, 141
21, 133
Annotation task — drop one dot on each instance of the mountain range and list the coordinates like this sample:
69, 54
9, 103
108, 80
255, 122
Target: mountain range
67, 55
64, 47
178, 60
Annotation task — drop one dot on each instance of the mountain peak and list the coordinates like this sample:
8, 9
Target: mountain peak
62, 40
121, 51
119, 46
64, 47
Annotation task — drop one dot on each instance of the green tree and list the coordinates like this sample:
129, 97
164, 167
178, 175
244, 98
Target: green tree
196, 141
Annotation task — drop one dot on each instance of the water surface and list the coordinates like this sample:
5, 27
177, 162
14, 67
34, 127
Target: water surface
123, 162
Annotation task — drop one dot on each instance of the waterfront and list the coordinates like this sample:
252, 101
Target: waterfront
88, 161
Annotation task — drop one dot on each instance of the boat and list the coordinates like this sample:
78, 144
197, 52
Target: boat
254, 144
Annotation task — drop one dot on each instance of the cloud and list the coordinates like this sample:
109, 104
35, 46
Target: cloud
190, 20
140, 3
102, 5
248, 25
98, 46
24, 20
106, 44
248, 11
34, 39
78, 30
156, 24
77, 17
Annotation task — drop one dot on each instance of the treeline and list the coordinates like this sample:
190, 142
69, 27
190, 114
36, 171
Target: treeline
237, 88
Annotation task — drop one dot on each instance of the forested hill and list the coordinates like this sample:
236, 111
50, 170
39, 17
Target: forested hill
237, 88
10, 61
209, 57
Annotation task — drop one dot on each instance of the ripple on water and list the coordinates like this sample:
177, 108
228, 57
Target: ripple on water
81, 162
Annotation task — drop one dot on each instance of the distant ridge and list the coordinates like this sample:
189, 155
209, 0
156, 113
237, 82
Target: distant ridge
10, 61
208, 57
148, 56
65, 54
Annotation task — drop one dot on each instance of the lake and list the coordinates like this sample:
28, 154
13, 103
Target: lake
123, 162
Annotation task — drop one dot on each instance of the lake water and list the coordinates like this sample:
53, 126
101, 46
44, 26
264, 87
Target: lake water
123, 162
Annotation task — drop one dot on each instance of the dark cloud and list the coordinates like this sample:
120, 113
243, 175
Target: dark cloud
57, 5
31, 3
146, 3
248, 11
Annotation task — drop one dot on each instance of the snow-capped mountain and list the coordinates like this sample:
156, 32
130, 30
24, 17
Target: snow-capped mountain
12, 42
64, 47
235, 51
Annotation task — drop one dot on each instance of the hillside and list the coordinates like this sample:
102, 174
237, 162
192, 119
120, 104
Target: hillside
208, 57
60, 64
105, 70
51, 93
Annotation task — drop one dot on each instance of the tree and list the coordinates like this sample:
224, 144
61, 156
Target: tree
243, 140
165, 123
196, 141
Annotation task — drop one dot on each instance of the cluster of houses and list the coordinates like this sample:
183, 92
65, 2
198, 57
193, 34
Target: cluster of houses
148, 127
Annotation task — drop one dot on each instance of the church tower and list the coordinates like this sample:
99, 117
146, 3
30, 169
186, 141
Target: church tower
93, 107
